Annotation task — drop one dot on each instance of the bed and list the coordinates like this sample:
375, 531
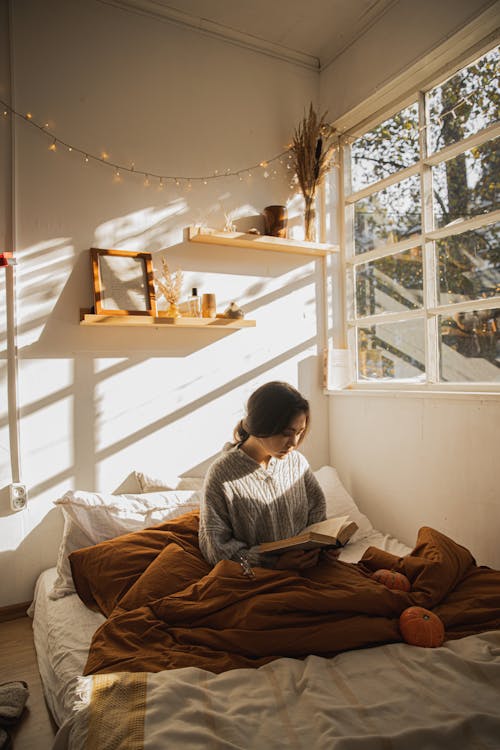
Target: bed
391, 695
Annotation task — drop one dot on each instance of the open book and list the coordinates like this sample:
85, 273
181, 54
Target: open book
334, 532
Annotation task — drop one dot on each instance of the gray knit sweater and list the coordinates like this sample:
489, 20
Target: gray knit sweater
244, 505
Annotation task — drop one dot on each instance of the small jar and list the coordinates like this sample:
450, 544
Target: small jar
208, 306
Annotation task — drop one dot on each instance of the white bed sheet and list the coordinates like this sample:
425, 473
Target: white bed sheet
63, 628
62, 631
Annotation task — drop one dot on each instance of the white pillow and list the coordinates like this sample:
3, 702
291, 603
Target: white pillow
151, 484
339, 502
91, 517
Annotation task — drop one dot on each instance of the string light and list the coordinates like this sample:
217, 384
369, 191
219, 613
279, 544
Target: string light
120, 168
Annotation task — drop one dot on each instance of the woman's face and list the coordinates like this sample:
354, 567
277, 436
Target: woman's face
279, 445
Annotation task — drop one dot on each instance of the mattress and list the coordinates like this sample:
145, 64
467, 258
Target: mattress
62, 631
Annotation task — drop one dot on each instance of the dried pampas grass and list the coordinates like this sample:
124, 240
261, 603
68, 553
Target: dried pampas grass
312, 147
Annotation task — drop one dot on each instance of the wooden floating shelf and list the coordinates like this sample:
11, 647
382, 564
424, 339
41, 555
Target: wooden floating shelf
148, 321
258, 242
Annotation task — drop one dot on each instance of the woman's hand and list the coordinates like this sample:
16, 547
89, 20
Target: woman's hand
331, 553
298, 559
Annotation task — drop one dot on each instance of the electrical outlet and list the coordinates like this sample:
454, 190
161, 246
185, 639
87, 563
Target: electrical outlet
18, 496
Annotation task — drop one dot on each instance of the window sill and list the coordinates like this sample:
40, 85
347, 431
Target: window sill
491, 393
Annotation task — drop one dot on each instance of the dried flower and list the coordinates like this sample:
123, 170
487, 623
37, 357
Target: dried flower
312, 146
169, 284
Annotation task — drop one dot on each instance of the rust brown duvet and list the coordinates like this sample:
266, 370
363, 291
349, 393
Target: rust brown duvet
166, 608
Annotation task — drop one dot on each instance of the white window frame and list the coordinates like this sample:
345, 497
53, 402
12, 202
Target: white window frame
431, 308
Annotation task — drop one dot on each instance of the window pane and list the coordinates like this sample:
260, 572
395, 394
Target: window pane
469, 265
464, 104
386, 149
388, 216
392, 351
468, 184
470, 346
390, 284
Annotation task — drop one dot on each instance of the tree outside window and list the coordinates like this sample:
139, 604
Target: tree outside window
423, 254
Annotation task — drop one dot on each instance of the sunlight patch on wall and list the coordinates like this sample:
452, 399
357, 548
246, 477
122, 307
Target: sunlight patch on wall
41, 274
141, 230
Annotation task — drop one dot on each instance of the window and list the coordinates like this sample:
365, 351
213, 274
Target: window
422, 215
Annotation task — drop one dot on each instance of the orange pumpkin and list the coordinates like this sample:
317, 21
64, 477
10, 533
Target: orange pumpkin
421, 627
392, 579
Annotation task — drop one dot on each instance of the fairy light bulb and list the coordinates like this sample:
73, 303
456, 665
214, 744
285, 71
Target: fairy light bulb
177, 182
263, 164
29, 116
104, 155
146, 181
53, 146
161, 185
86, 159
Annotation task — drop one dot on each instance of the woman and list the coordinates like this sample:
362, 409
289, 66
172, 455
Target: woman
261, 489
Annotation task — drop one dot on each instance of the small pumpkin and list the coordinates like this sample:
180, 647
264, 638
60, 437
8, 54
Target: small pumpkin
421, 627
392, 579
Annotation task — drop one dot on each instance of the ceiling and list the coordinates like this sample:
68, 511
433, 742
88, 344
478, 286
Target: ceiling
311, 33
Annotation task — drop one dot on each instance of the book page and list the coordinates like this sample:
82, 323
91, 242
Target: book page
330, 526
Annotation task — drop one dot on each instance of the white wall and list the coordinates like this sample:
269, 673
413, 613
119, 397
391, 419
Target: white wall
96, 404
409, 34
409, 460
415, 461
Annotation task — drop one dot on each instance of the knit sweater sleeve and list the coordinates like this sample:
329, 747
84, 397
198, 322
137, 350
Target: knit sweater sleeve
216, 536
316, 498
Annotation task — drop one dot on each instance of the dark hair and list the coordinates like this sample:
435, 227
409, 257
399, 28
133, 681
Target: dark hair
270, 410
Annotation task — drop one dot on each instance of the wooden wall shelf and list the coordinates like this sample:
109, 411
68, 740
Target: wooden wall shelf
148, 321
259, 242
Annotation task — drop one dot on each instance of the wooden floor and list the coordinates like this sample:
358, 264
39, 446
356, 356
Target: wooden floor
35, 730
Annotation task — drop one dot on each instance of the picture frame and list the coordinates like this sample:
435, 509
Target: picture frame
123, 282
